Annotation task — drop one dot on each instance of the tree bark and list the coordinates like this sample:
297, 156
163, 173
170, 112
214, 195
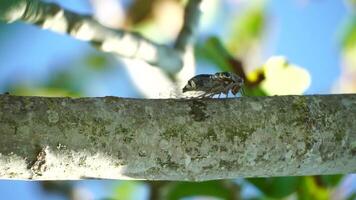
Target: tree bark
176, 139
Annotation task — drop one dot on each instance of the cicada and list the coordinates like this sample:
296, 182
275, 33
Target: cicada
219, 83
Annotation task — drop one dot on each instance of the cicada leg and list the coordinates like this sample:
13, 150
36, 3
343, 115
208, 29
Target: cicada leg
227, 89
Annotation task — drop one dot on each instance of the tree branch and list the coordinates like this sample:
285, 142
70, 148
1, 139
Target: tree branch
176, 139
123, 43
191, 22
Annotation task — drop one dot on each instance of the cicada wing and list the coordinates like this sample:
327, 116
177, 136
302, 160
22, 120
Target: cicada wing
242, 91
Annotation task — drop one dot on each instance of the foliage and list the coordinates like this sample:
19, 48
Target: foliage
276, 187
216, 189
349, 33
247, 28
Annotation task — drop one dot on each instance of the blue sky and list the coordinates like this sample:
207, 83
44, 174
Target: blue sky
308, 37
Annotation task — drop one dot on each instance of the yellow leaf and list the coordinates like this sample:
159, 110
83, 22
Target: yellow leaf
283, 78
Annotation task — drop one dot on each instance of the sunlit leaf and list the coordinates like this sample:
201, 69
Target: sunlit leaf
283, 78
348, 41
310, 190
277, 187
348, 37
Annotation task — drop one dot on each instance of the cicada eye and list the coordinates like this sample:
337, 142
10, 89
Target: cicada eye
191, 84
226, 74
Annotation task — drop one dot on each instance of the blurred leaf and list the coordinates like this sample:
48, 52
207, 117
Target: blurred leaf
64, 188
351, 4
97, 62
348, 36
348, 42
283, 78
41, 91
214, 51
352, 196
139, 11
64, 81
254, 92
277, 187
189, 189
309, 190
126, 190
331, 180
248, 27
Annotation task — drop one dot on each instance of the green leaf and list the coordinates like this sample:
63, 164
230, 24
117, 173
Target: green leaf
348, 36
310, 190
254, 92
126, 190
247, 29
277, 187
352, 196
190, 189
214, 51
64, 81
331, 180
22, 90
97, 62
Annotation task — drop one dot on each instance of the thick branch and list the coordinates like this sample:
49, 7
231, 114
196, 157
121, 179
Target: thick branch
192, 15
127, 44
176, 139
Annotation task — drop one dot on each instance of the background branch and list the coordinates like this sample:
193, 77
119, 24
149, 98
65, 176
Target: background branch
127, 44
176, 139
192, 15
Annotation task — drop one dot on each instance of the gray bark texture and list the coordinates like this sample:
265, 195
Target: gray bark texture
176, 139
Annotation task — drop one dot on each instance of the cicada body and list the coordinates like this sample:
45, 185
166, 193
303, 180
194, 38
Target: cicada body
219, 83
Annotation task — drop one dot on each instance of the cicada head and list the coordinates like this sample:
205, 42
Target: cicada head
190, 86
